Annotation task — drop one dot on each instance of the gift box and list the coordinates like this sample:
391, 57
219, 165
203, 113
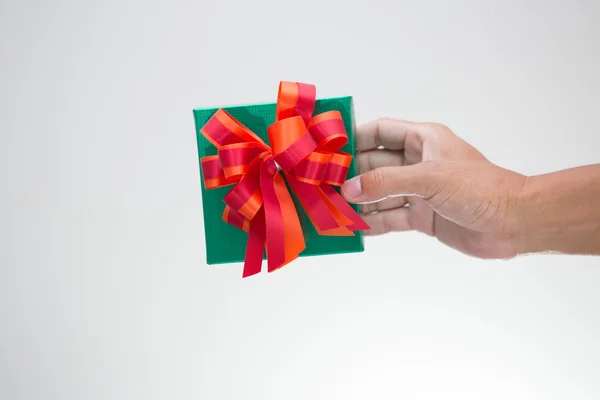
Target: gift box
299, 145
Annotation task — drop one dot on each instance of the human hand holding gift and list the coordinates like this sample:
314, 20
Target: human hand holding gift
307, 150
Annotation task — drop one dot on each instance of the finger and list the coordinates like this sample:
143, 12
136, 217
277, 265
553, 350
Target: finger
396, 220
386, 204
423, 179
386, 133
374, 159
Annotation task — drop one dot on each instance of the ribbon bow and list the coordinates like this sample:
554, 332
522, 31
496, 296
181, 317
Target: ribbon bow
306, 150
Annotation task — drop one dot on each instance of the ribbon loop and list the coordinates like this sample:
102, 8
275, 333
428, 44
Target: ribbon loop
284, 134
236, 219
222, 129
295, 99
328, 130
246, 197
212, 173
235, 158
337, 170
313, 169
291, 142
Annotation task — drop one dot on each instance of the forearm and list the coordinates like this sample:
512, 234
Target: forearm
560, 212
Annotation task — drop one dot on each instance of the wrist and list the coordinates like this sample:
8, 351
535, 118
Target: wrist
558, 212
527, 237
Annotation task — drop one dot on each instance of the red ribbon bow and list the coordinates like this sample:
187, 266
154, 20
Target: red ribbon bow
307, 150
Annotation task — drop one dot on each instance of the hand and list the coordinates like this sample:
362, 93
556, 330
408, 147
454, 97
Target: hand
421, 176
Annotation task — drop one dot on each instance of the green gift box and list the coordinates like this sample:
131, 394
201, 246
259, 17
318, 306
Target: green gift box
226, 243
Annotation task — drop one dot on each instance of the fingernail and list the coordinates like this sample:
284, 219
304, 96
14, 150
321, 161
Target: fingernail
352, 188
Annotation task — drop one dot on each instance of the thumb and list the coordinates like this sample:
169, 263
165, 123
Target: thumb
422, 179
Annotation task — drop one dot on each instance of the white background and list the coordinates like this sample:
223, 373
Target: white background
104, 292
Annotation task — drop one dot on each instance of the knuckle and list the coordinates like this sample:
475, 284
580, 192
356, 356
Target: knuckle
379, 124
436, 126
438, 129
374, 183
378, 177
364, 162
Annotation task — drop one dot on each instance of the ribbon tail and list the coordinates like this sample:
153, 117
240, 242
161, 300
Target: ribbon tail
284, 237
255, 246
315, 206
358, 224
330, 214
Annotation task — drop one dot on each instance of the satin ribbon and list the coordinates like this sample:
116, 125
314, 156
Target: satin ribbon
306, 150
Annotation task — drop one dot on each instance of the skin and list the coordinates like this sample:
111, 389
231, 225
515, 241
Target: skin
421, 176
